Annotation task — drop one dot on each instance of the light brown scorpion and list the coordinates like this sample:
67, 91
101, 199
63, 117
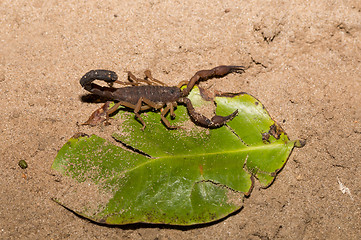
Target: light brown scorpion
154, 95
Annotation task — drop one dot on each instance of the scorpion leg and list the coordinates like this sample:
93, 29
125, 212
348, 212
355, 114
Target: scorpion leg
214, 122
170, 107
182, 83
137, 81
202, 75
126, 104
149, 76
174, 104
148, 79
123, 83
138, 107
134, 79
102, 114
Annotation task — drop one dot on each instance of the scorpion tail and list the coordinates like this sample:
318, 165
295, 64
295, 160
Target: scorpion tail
100, 74
214, 122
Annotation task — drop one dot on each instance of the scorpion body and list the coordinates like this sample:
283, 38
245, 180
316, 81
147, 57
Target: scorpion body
154, 95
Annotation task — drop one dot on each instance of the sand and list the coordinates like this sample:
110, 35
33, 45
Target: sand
303, 63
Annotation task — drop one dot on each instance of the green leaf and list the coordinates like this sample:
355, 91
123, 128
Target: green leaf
186, 176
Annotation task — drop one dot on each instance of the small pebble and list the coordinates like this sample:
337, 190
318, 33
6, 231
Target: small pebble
23, 164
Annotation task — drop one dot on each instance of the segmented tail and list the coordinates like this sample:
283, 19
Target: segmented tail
100, 74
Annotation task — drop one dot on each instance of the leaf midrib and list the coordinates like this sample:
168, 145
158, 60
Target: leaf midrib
239, 150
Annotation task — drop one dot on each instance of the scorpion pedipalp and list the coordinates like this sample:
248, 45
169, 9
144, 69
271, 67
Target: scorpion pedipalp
203, 75
214, 122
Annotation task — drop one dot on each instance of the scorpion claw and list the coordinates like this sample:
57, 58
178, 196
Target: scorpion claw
237, 69
223, 70
214, 122
218, 121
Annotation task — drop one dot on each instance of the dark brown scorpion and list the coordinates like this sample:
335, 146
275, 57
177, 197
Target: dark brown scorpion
154, 95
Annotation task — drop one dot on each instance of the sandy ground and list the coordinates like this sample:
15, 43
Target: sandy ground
304, 64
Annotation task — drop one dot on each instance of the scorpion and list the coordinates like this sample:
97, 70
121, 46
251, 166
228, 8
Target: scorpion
150, 93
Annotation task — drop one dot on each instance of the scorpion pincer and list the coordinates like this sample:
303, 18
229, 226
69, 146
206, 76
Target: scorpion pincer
149, 93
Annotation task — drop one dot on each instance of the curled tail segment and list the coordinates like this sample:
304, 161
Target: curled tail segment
100, 74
